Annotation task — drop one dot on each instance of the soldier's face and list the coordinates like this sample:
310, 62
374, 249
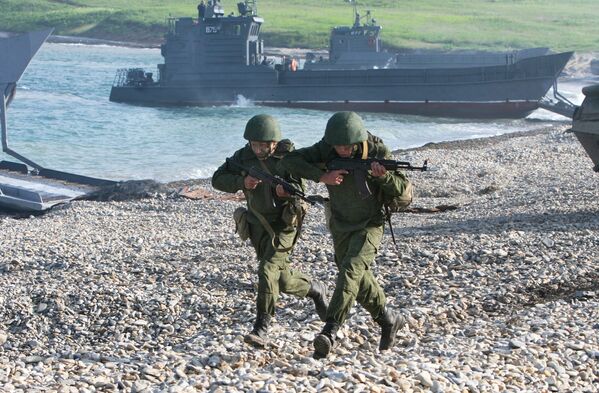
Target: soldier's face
263, 150
344, 151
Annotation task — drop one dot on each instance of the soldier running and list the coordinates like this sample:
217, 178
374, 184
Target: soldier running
273, 237
356, 223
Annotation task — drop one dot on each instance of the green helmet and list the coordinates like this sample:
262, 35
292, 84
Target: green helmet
345, 128
262, 128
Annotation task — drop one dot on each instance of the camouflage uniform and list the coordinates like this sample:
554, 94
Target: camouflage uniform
274, 273
356, 225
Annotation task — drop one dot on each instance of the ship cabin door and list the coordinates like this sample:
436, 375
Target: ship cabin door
253, 45
230, 41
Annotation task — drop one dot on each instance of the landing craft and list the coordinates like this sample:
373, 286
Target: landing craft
215, 58
360, 47
26, 185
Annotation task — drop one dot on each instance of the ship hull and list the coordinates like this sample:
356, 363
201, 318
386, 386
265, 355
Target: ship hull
590, 143
483, 92
467, 110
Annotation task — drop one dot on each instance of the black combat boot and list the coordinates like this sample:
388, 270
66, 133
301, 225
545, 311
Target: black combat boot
318, 293
390, 322
325, 340
257, 337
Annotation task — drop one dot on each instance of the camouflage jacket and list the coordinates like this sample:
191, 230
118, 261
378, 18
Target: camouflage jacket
349, 211
262, 199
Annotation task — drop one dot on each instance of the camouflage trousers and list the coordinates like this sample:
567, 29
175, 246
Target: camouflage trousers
274, 273
354, 253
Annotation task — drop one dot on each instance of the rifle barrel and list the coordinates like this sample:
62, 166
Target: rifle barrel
356, 163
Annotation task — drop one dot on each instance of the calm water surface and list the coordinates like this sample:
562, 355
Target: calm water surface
62, 119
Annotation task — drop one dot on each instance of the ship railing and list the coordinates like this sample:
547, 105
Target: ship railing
120, 78
170, 24
134, 77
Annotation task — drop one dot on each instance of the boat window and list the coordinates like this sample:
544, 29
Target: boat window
232, 29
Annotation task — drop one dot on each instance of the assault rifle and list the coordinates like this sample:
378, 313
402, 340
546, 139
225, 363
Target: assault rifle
361, 167
275, 181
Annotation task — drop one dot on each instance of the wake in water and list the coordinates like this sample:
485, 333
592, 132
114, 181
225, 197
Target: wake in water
242, 102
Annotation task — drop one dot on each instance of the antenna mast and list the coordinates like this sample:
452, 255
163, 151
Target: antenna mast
253, 5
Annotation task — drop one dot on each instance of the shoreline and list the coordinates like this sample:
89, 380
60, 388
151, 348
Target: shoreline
578, 67
269, 51
196, 188
61, 39
443, 145
479, 142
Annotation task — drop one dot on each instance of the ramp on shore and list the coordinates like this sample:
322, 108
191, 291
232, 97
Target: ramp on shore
27, 186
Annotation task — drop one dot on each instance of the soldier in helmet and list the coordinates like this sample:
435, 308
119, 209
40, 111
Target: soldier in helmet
272, 236
356, 224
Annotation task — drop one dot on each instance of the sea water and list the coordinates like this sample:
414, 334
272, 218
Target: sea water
61, 119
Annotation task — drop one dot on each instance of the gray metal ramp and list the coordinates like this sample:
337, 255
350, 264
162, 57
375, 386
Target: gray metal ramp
17, 52
40, 188
25, 192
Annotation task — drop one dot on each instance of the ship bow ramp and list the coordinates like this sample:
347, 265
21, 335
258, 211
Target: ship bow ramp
27, 186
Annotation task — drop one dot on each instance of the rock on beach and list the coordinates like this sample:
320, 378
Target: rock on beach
155, 294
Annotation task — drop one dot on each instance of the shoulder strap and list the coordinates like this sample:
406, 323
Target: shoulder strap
364, 150
300, 220
266, 225
263, 221
388, 216
265, 167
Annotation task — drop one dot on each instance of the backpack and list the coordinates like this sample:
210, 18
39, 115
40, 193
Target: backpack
242, 227
284, 146
401, 202
392, 204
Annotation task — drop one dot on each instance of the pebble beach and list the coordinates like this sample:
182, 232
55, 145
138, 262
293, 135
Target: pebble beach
155, 294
